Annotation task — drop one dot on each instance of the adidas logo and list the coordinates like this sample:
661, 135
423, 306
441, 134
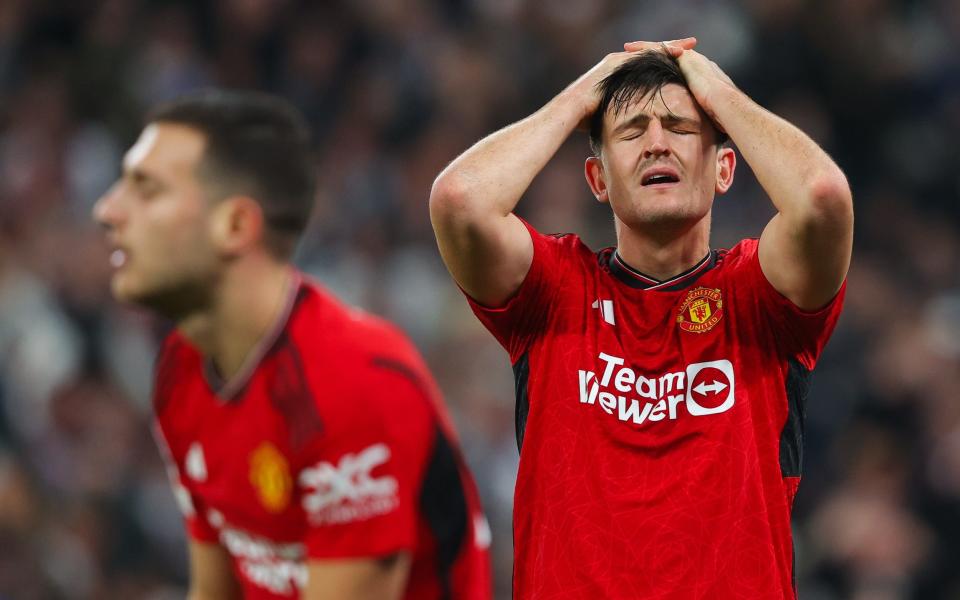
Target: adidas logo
606, 310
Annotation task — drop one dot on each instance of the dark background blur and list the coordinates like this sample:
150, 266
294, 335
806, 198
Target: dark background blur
394, 90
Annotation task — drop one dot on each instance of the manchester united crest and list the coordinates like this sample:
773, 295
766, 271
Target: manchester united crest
270, 476
700, 310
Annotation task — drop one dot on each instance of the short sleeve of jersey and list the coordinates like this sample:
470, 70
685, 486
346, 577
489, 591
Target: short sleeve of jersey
517, 323
801, 334
362, 481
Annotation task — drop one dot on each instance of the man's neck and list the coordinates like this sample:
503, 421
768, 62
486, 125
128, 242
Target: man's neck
663, 256
248, 302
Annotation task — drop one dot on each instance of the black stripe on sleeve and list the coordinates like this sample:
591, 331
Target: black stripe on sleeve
443, 505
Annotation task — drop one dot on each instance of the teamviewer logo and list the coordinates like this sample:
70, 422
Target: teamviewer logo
709, 387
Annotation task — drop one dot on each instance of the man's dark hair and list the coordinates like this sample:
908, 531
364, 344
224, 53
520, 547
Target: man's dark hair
258, 145
641, 76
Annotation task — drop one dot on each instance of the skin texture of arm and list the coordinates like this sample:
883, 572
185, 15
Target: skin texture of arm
358, 579
805, 249
211, 576
486, 248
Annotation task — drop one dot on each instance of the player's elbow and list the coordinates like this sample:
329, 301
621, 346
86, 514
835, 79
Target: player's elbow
452, 206
831, 192
447, 197
830, 198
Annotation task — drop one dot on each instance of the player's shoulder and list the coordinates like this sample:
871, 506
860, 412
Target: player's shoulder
360, 369
562, 243
343, 328
740, 255
175, 360
174, 346
349, 342
569, 243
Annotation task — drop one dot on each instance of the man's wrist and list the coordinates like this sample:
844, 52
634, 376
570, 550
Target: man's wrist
571, 107
723, 101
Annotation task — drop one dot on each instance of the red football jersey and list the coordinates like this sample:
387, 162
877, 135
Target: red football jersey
660, 425
332, 443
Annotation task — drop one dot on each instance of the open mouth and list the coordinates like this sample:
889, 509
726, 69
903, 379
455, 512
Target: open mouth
659, 176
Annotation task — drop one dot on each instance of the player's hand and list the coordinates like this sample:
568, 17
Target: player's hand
704, 78
585, 88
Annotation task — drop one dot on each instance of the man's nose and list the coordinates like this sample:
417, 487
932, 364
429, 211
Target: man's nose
107, 211
656, 141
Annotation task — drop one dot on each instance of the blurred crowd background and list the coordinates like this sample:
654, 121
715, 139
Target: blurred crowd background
394, 89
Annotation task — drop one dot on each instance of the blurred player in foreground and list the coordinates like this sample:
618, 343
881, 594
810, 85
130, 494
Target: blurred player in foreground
660, 384
308, 446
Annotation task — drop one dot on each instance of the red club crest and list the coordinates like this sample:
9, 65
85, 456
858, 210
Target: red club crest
700, 310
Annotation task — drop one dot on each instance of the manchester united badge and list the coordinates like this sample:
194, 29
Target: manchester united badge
700, 310
270, 476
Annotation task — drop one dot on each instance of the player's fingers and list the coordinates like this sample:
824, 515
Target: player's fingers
646, 46
635, 46
686, 43
671, 49
672, 46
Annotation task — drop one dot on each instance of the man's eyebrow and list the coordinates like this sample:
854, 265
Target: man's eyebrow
140, 177
669, 120
638, 120
673, 119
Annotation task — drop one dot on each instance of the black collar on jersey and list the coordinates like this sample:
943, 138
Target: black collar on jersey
635, 279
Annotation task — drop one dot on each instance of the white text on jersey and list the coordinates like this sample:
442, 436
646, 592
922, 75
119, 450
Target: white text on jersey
705, 388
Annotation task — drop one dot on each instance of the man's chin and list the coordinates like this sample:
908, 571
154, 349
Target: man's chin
125, 293
663, 220
172, 301
127, 290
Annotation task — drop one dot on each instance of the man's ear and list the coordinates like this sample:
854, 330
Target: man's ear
237, 224
726, 165
593, 171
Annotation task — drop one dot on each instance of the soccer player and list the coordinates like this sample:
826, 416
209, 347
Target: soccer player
660, 384
308, 446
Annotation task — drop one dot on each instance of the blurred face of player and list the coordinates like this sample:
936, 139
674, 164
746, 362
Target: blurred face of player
660, 164
160, 223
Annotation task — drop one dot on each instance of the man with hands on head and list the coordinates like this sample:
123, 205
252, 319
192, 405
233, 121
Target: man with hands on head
661, 384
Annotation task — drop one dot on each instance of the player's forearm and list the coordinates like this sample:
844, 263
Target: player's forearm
489, 179
801, 179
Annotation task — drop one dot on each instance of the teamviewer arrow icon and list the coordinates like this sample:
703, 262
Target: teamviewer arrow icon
714, 388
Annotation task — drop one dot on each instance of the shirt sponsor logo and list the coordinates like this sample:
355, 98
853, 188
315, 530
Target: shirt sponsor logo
276, 567
270, 476
701, 310
705, 388
347, 491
